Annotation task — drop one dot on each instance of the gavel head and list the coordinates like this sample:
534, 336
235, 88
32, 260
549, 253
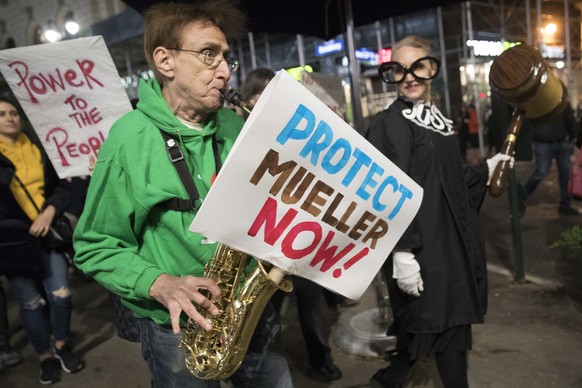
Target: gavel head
522, 78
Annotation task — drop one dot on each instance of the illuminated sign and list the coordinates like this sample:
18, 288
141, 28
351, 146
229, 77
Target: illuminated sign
336, 46
384, 55
488, 48
366, 55
329, 47
552, 51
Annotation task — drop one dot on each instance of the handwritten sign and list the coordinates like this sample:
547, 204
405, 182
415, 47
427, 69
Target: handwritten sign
304, 191
71, 93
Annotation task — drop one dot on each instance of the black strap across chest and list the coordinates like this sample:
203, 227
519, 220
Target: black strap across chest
27, 193
177, 159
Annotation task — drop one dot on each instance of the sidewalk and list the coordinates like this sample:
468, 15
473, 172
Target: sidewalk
532, 336
541, 226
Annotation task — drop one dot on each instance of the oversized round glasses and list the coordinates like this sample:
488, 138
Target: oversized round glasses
423, 69
213, 58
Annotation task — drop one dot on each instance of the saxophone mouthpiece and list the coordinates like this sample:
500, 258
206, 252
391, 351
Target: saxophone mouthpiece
233, 97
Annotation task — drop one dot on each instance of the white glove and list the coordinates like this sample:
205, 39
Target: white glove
407, 273
496, 159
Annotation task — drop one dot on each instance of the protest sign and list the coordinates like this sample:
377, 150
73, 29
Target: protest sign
328, 89
71, 93
304, 191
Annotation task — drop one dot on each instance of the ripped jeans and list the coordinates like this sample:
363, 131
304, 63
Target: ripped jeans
32, 294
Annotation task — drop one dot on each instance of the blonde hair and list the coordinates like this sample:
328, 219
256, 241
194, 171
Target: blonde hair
413, 41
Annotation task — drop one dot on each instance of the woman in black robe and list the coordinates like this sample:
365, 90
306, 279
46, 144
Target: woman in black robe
438, 269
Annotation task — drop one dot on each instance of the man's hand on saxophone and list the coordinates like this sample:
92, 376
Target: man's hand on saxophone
178, 292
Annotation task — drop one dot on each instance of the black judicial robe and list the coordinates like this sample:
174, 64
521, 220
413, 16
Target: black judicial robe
445, 235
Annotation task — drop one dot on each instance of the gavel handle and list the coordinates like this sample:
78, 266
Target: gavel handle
499, 179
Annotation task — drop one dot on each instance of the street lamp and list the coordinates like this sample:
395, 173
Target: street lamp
549, 29
71, 25
52, 34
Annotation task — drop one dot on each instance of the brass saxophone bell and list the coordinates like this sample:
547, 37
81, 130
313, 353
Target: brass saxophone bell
217, 354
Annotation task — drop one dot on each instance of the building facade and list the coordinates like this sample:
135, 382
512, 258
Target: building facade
466, 36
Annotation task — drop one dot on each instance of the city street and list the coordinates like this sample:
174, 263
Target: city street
532, 336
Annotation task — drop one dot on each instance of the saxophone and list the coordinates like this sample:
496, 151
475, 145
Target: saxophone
218, 353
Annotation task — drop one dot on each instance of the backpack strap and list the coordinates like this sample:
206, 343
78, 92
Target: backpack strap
177, 159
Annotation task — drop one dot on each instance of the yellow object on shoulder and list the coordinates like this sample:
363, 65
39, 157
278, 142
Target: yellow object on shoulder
27, 160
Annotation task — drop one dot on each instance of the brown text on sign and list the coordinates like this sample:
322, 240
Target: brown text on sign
295, 185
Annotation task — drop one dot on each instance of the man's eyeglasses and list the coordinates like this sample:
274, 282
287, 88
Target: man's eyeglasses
423, 69
213, 58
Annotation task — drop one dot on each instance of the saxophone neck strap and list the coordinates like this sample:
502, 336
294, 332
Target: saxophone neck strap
177, 159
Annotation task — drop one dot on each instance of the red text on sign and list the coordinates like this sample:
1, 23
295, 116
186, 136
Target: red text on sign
67, 151
37, 84
325, 253
83, 116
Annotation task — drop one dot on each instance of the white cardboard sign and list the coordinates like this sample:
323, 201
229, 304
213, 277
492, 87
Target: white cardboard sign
71, 93
304, 191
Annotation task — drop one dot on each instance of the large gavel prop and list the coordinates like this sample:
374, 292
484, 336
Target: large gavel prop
522, 78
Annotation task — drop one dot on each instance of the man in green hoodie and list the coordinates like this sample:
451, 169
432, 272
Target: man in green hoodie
128, 238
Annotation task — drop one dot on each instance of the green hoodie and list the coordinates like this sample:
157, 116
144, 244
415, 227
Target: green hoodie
124, 239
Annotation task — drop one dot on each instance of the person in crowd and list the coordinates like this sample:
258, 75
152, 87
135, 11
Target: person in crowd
316, 318
578, 117
132, 237
462, 127
8, 356
473, 125
438, 277
312, 302
553, 140
498, 123
26, 175
253, 85
487, 132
